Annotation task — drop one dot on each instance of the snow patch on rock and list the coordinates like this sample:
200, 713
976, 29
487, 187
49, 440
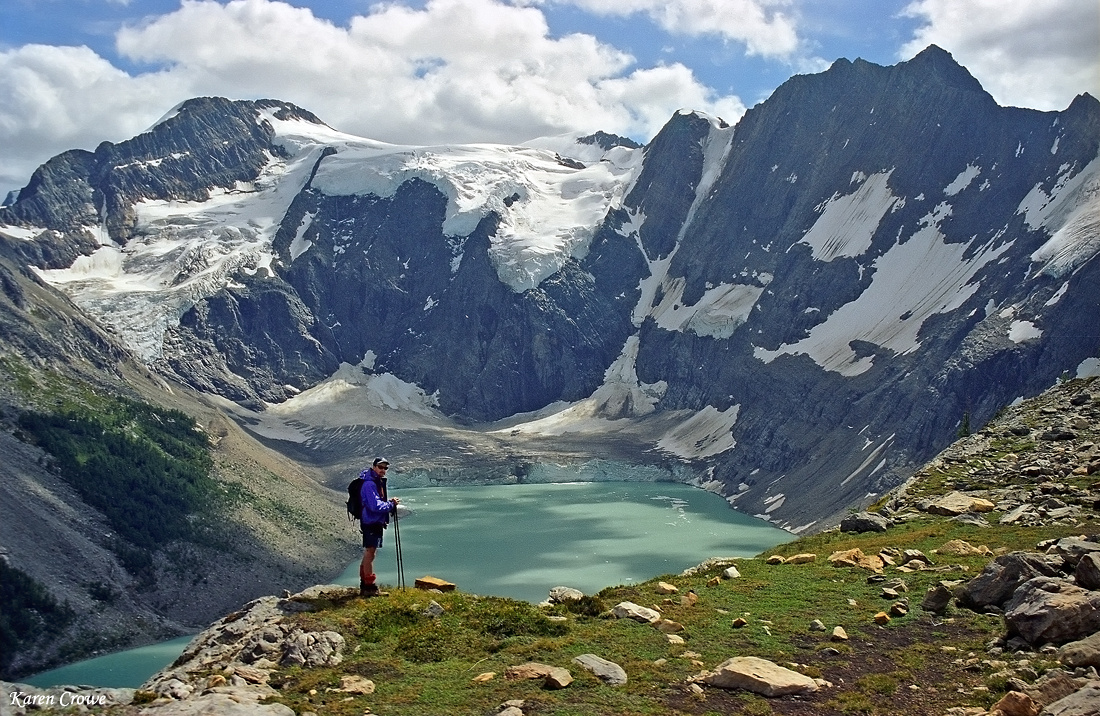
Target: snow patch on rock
848, 223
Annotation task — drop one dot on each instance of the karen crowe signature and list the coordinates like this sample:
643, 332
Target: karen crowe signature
64, 699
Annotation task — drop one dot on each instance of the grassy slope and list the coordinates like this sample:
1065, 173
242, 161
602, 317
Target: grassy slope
253, 522
916, 664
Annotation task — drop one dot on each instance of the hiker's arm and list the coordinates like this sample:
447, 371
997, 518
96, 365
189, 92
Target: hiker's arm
374, 502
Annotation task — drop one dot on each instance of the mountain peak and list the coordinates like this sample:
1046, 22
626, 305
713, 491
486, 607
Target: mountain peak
934, 61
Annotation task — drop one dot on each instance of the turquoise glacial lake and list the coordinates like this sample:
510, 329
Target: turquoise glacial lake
520, 540
517, 541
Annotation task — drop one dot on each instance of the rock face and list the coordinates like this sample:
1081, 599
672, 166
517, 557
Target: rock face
1004, 575
756, 290
1082, 702
1047, 610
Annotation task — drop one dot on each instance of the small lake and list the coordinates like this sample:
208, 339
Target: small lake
520, 540
517, 541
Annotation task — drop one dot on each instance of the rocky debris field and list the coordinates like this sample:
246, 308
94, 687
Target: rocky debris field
1033, 465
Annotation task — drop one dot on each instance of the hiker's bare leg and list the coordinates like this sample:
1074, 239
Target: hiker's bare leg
366, 567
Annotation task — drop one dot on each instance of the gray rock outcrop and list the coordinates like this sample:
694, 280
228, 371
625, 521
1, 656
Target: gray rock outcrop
759, 676
244, 647
1084, 702
1082, 653
1052, 610
1003, 576
606, 671
865, 522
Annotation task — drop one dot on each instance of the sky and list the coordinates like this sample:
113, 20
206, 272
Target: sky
74, 73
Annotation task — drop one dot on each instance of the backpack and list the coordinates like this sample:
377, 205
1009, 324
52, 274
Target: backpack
355, 496
355, 499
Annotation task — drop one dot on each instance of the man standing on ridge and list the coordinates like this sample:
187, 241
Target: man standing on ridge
377, 508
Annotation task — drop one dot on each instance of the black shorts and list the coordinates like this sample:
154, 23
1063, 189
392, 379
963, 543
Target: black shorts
372, 535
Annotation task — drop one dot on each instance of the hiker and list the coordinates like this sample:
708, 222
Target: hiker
377, 508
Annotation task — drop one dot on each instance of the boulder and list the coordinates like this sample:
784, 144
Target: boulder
962, 548
553, 677
1087, 573
558, 678
856, 558
565, 594
606, 671
630, 610
759, 676
1083, 702
512, 707
353, 684
865, 522
1054, 686
1073, 549
804, 558
1052, 610
1003, 576
1016, 514
1015, 703
529, 670
956, 503
668, 626
429, 583
971, 518
937, 598
1082, 653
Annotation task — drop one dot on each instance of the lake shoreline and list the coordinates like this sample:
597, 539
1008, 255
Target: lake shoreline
601, 532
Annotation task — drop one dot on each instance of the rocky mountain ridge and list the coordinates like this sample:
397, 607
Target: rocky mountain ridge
71, 586
797, 310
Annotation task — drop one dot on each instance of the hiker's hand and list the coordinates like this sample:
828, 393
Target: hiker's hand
395, 501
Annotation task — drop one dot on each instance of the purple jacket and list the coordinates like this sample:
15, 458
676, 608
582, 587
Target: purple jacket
376, 508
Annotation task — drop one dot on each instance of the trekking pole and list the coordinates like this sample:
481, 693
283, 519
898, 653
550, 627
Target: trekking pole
400, 558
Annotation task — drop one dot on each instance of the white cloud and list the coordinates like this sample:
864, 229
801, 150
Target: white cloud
454, 71
1025, 53
762, 25
58, 98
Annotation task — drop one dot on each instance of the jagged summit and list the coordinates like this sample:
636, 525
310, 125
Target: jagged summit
794, 310
934, 61
608, 141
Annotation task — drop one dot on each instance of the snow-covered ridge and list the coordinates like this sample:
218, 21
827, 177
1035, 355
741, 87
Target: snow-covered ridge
548, 208
1074, 207
184, 251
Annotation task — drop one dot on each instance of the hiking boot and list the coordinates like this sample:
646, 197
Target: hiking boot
368, 590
